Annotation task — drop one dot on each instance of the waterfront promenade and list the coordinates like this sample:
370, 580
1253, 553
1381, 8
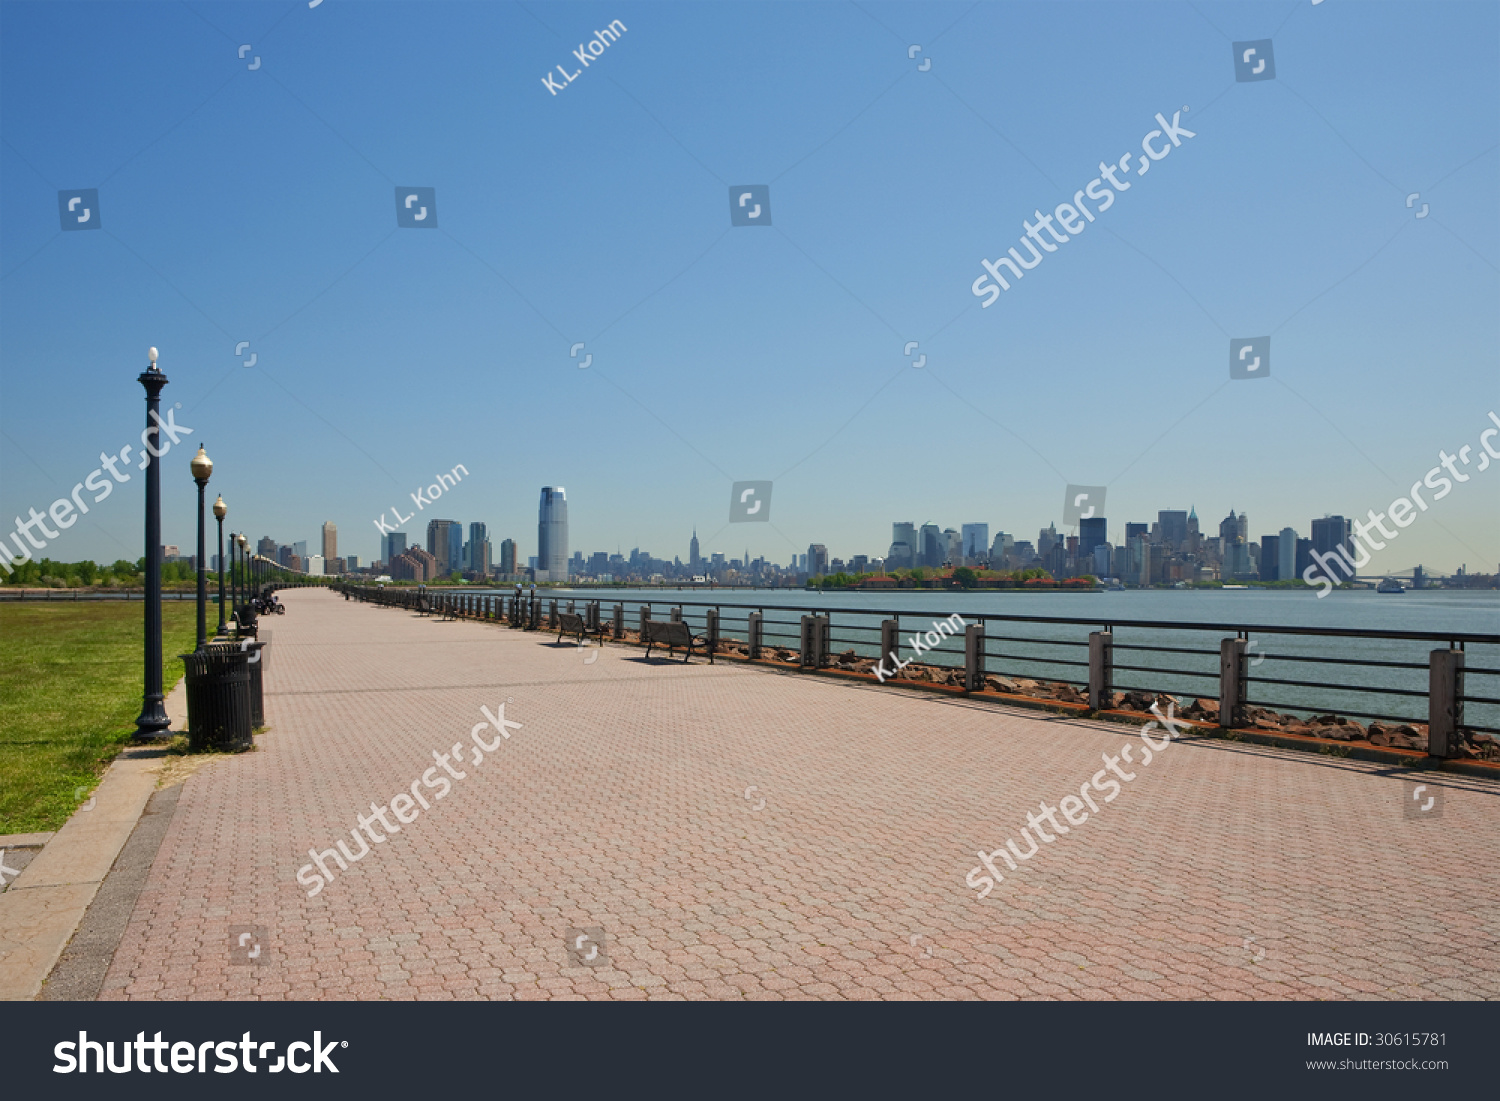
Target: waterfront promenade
735, 832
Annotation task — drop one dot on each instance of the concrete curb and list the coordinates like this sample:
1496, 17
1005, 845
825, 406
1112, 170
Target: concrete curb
43, 906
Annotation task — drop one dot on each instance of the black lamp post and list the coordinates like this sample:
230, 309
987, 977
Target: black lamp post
202, 466
152, 722
234, 592
220, 511
241, 582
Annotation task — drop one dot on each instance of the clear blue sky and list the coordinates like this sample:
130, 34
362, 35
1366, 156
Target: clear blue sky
259, 205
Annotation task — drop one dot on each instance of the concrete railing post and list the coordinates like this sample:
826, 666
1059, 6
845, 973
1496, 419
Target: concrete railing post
711, 629
1101, 670
1445, 702
552, 614
974, 657
570, 607
814, 647
756, 619
619, 621
1232, 687
890, 644
645, 611
677, 614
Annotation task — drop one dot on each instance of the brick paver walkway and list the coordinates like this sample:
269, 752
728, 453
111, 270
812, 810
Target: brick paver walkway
621, 805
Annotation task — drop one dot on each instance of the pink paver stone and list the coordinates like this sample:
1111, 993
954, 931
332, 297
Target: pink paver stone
1225, 871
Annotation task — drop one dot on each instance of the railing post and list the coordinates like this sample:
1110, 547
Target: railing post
552, 614
890, 644
711, 629
754, 632
1101, 670
825, 631
570, 607
645, 611
806, 642
1232, 683
619, 621
974, 657
677, 614
1445, 702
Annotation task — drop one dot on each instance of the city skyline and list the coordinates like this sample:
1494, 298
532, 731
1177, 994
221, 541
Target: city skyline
1235, 553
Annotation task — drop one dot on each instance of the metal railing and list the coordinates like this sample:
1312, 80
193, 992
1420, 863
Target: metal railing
1370, 673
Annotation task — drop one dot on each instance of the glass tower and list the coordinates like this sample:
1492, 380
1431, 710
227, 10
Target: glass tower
552, 533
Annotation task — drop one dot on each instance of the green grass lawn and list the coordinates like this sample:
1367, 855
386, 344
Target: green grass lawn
70, 689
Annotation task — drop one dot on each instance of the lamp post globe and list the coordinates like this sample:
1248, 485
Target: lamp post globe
220, 511
152, 722
202, 466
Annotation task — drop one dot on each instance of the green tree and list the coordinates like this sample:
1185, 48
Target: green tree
966, 577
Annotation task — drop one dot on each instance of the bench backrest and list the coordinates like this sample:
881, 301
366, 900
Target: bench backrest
569, 621
671, 632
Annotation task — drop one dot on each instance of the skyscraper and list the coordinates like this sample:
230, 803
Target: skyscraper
694, 559
1174, 527
904, 549
1270, 558
330, 541
933, 549
445, 544
1046, 539
817, 559
392, 546
1330, 534
976, 540
477, 551
1092, 531
507, 557
1286, 554
552, 533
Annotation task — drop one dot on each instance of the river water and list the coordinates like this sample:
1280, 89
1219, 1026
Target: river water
1041, 650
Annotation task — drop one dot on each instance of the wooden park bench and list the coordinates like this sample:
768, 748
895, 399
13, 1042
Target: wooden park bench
424, 605
672, 634
570, 623
450, 609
